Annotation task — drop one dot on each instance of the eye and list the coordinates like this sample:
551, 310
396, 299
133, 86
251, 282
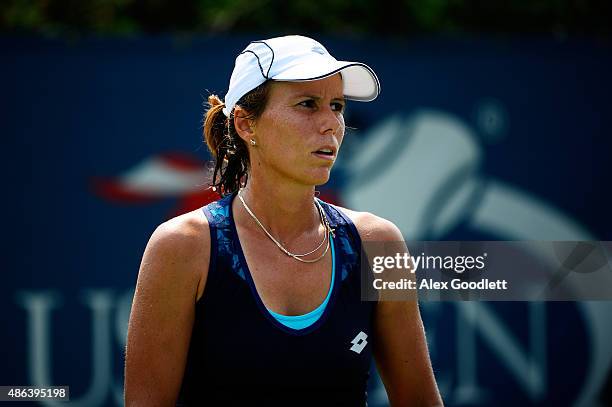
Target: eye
309, 103
338, 106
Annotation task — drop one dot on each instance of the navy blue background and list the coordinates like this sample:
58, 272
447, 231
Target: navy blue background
76, 110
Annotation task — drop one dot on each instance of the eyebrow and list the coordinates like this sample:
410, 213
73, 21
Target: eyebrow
307, 95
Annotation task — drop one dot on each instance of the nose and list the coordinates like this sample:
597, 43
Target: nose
330, 121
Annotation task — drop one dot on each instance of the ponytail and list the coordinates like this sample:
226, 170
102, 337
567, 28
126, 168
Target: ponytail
227, 148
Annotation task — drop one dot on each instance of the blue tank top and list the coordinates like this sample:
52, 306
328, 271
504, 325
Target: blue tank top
240, 354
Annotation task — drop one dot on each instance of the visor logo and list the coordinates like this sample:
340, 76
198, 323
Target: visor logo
319, 49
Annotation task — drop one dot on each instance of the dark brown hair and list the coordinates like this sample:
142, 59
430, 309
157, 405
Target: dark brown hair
228, 149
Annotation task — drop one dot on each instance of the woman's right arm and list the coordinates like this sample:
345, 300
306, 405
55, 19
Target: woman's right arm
170, 281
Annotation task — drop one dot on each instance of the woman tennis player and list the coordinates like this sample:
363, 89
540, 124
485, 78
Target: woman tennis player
255, 299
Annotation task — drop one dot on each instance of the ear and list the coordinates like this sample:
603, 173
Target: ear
243, 125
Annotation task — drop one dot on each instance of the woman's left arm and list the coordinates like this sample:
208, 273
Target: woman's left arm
401, 355
400, 348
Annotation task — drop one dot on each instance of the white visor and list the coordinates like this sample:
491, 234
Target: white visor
296, 58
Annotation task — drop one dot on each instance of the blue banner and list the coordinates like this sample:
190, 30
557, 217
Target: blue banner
470, 140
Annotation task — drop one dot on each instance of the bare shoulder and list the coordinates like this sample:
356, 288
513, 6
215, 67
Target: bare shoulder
171, 277
187, 230
372, 227
181, 249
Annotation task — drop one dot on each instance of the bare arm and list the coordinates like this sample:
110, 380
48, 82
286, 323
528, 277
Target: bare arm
402, 357
171, 277
401, 352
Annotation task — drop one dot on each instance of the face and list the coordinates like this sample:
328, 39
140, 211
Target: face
300, 132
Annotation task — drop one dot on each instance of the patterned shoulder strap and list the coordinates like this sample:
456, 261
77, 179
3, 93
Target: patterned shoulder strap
347, 237
217, 213
222, 235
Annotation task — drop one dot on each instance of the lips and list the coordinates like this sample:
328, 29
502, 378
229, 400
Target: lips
328, 151
325, 151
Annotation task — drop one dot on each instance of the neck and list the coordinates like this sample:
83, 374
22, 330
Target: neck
287, 211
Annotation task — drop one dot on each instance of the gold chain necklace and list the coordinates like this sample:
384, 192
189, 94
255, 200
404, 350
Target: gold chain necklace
297, 257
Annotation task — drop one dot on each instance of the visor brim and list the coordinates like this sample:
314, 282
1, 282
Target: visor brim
360, 83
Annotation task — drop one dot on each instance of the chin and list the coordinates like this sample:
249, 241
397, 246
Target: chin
321, 180
318, 178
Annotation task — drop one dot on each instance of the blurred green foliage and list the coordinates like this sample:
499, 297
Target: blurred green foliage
393, 18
